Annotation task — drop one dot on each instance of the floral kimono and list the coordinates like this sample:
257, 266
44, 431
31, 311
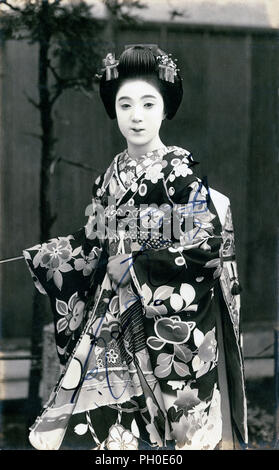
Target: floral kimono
140, 359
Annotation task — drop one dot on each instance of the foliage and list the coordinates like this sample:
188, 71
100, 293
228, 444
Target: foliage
73, 36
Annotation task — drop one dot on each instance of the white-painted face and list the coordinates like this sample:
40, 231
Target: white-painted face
140, 111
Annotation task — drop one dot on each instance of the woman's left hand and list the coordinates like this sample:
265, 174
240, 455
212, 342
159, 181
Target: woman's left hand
118, 269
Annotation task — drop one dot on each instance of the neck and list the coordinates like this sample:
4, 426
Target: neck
136, 151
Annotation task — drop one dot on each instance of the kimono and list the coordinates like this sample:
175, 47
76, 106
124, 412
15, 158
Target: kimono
139, 360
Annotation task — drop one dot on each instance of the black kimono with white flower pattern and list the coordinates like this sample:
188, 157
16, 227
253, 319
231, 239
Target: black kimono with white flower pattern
141, 359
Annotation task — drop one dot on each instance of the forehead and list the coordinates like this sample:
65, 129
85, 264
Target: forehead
136, 89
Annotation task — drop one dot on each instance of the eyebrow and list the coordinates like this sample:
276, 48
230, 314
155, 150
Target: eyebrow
128, 97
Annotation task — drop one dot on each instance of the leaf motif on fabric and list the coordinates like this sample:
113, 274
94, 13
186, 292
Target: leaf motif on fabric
207, 350
173, 415
162, 371
198, 337
152, 311
49, 274
197, 363
61, 351
61, 325
164, 359
77, 251
37, 259
65, 268
155, 343
72, 301
114, 305
188, 293
203, 370
181, 369
183, 353
147, 293
176, 302
191, 308
163, 292
58, 279
213, 263
61, 307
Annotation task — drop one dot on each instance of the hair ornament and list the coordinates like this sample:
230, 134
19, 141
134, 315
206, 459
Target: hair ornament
167, 68
110, 64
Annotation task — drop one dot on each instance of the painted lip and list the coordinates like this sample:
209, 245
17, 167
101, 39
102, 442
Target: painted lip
134, 129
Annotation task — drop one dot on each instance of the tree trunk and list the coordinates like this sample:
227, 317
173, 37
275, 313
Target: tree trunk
46, 218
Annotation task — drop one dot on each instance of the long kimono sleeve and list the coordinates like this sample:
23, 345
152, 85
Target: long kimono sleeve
178, 277
63, 268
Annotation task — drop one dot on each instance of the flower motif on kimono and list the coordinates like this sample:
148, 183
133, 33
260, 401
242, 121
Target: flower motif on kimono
180, 168
111, 356
180, 152
187, 399
200, 426
54, 256
72, 313
120, 438
87, 263
154, 171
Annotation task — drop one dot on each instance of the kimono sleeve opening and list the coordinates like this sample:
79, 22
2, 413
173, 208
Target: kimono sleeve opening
176, 278
63, 268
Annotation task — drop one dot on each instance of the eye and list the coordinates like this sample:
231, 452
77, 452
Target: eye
125, 105
148, 105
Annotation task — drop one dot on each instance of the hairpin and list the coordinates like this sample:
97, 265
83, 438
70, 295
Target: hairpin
167, 68
111, 64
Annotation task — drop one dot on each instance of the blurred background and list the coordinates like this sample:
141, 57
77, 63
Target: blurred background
55, 135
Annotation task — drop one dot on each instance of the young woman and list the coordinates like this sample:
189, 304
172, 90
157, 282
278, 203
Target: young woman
139, 292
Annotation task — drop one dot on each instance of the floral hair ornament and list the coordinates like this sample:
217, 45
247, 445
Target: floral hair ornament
111, 64
167, 67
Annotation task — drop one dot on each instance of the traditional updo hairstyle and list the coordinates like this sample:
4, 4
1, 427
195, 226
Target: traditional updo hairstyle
140, 62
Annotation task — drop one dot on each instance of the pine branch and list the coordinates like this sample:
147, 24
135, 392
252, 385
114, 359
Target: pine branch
54, 72
33, 102
4, 2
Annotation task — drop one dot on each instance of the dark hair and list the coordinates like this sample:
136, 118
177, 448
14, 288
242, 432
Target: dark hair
140, 62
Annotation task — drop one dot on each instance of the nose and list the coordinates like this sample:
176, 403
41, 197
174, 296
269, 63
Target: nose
136, 115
